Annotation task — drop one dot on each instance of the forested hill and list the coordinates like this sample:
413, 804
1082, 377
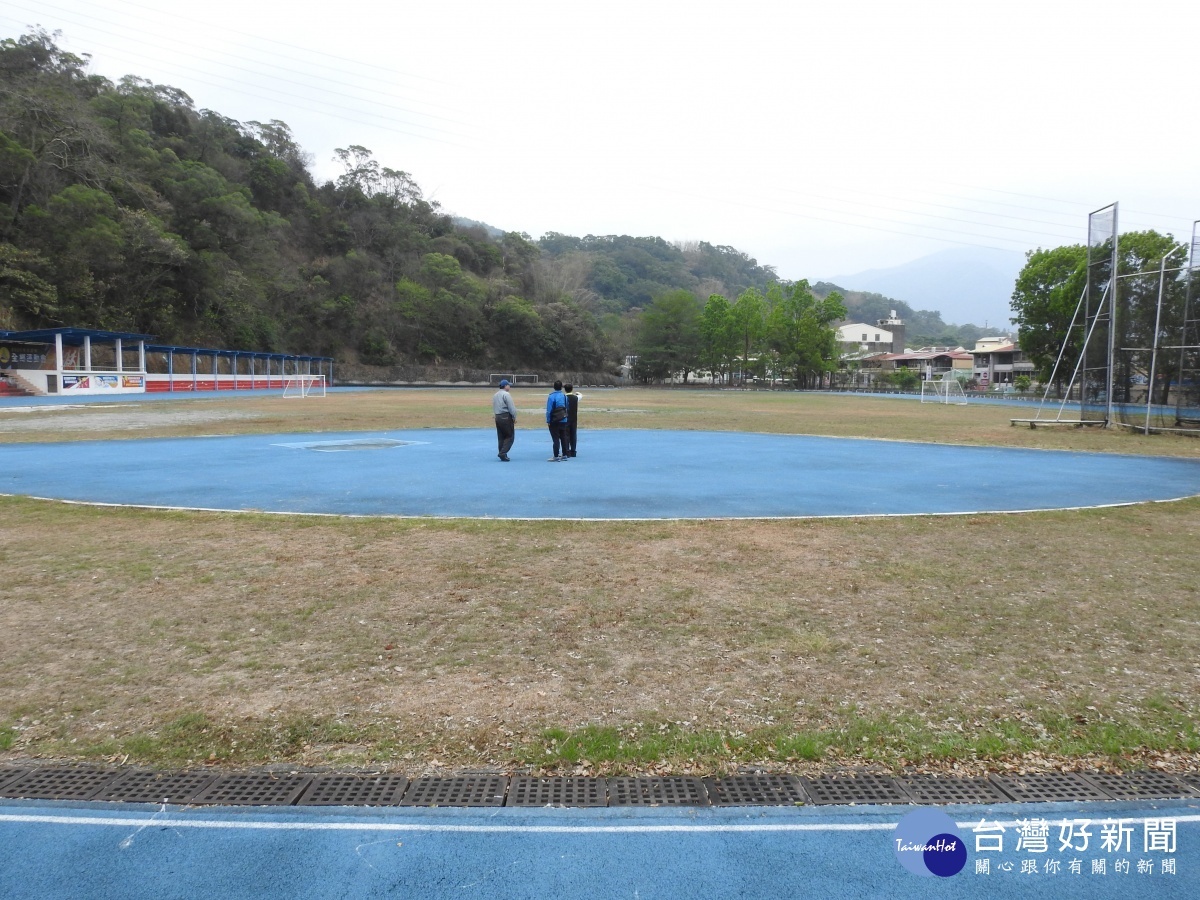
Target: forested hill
126, 208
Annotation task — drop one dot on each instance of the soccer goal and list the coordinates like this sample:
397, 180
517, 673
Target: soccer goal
304, 386
514, 379
947, 390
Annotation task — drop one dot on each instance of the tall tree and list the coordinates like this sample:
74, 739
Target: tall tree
1044, 300
719, 336
668, 341
749, 324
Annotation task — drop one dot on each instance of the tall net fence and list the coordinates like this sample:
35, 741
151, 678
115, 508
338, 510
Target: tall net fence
1156, 350
1187, 394
1095, 372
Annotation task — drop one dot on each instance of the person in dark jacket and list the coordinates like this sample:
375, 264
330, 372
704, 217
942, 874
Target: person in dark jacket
573, 398
505, 413
556, 421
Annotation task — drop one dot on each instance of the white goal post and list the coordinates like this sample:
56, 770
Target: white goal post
304, 386
514, 379
946, 390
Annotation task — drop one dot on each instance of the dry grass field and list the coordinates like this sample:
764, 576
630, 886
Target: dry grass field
1005, 642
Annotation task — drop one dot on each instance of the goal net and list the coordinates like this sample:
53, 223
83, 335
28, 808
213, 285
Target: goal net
304, 386
947, 390
514, 379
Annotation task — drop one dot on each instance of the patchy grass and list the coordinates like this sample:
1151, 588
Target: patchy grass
967, 643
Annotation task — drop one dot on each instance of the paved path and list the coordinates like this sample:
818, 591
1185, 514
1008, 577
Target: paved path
110, 851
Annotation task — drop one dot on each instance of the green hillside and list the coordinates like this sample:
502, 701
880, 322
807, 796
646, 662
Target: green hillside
124, 207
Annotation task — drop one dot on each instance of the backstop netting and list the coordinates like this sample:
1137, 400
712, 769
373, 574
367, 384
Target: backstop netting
1187, 392
1154, 384
1095, 372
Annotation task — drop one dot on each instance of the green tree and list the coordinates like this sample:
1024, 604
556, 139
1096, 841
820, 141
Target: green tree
749, 324
1044, 300
800, 332
718, 333
668, 340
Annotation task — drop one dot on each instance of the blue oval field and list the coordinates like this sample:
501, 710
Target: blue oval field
619, 474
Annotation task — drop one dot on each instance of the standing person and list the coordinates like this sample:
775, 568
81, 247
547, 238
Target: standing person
573, 398
505, 412
556, 421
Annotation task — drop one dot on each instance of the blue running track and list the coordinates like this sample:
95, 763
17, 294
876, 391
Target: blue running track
619, 474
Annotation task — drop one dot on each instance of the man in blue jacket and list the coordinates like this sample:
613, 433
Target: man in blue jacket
556, 421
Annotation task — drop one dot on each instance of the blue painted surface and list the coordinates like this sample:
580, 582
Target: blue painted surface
618, 474
108, 851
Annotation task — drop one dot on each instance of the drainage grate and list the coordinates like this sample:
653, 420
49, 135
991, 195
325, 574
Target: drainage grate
464, 790
8, 776
355, 790
59, 784
1049, 787
679, 790
941, 789
1192, 781
1141, 785
756, 790
137, 786
254, 790
852, 789
528, 790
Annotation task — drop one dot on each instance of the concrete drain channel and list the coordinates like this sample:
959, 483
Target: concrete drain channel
199, 788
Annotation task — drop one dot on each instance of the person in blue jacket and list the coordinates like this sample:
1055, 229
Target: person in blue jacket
556, 421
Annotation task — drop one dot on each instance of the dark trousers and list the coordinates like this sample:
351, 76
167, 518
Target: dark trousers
572, 436
506, 432
558, 437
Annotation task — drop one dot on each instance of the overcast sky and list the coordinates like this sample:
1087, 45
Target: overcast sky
822, 141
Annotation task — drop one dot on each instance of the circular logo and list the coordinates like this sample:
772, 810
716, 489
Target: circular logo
927, 843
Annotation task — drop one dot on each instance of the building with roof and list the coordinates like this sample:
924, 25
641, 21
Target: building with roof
928, 364
999, 360
89, 361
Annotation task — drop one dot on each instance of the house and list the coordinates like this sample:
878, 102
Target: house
859, 337
928, 364
998, 360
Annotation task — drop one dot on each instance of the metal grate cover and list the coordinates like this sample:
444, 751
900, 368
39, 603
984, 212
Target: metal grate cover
679, 790
139, 786
7, 776
863, 787
1141, 785
355, 790
59, 784
528, 790
756, 790
934, 789
254, 790
1048, 787
464, 790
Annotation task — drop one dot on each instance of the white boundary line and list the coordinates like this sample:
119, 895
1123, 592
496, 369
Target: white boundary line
440, 518
762, 827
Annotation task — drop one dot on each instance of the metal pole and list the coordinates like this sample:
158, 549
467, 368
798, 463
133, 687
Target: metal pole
1112, 320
